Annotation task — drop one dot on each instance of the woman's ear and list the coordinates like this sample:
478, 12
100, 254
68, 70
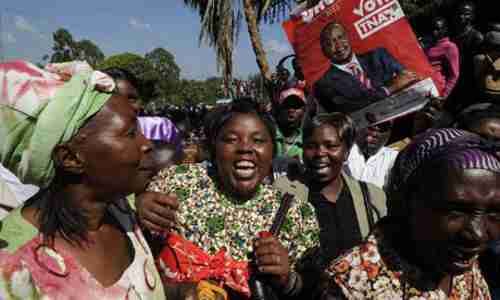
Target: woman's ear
68, 159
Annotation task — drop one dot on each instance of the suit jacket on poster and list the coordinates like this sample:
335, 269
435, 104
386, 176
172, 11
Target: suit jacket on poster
340, 91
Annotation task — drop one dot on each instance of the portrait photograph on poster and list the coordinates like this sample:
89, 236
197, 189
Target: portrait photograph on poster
361, 57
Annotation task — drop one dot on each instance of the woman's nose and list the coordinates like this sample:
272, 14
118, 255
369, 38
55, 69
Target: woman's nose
475, 230
245, 145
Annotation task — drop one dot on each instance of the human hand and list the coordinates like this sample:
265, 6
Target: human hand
402, 80
272, 259
438, 102
157, 211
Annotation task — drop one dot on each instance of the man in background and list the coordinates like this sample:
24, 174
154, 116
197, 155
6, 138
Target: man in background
289, 116
354, 81
369, 160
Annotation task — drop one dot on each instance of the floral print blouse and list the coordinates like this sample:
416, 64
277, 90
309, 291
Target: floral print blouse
375, 271
213, 220
31, 270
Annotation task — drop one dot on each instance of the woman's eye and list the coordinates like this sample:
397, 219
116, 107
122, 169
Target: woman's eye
259, 140
229, 140
132, 132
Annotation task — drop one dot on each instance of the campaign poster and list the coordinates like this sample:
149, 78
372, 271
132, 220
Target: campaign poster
370, 26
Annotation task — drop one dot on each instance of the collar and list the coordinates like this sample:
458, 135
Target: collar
357, 150
280, 137
354, 60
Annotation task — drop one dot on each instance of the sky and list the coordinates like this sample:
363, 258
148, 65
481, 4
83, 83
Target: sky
127, 26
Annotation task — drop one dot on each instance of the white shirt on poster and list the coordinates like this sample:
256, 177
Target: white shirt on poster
373, 170
347, 67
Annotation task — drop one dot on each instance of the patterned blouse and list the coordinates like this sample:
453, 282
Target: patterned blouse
31, 270
375, 271
213, 220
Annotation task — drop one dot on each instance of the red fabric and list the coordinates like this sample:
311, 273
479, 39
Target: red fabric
182, 261
445, 60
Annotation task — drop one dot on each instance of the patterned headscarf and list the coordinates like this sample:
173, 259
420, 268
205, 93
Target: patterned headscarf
457, 148
40, 109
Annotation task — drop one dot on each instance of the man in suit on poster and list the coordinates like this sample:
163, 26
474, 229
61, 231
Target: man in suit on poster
354, 80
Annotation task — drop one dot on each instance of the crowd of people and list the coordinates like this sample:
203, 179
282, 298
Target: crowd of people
101, 199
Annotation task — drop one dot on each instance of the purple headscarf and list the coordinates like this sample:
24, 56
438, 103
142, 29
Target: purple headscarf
458, 148
158, 129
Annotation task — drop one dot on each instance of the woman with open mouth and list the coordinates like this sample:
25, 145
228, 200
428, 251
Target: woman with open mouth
444, 208
346, 209
223, 208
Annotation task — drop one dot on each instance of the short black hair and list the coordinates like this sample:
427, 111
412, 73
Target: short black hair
122, 74
464, 3
222, 115
341, 122
472, 116
443, 20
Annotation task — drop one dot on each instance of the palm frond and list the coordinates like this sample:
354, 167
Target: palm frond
273, 11
221, 22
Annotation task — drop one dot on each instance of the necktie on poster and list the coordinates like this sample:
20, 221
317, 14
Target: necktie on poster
369, 24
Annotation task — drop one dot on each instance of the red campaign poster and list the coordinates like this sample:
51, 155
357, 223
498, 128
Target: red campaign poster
369, 24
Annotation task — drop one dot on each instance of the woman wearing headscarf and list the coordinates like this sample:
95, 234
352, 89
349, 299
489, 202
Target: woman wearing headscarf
64, 130
224, 206
484, 119
444, 205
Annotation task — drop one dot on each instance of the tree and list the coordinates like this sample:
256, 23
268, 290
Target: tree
168, 72
67, 49
137, 65
87, 50
221, 21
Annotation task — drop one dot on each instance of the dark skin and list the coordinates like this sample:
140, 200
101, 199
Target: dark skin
464, 17
125, 88
371, 139
244, 156
439, 29
488, 128
244, 153
324, 155
165, 155
338, 49
111, 159
290, 115
453, 217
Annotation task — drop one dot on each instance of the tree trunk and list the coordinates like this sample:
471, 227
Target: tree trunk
253, 30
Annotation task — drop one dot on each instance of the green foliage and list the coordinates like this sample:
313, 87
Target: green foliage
137, 65
65, 48
199, 91
159, 76
167, 71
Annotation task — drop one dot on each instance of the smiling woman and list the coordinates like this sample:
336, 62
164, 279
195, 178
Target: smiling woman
444, 209
223, 207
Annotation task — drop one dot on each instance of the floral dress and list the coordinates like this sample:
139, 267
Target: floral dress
374, 270
31, 270
219, 230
